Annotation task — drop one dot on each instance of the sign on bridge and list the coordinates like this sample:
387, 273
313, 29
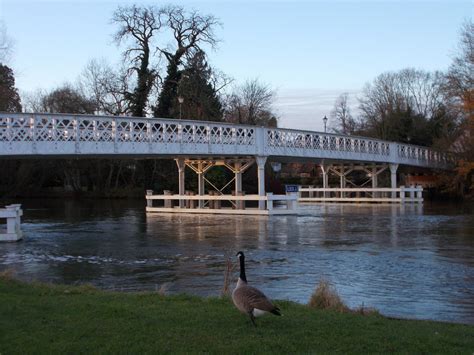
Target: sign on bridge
291, 188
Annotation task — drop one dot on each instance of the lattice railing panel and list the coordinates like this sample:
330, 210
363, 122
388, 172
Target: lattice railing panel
283, 139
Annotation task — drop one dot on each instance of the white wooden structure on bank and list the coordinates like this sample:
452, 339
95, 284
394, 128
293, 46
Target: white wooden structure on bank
362, 193
200, 146
215, 204
412, 194
12, 230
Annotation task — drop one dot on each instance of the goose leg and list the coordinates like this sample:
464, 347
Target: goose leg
252, 318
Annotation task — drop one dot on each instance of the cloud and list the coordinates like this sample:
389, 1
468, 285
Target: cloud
305, 108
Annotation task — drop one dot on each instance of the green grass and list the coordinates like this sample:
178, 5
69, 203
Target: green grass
39, 318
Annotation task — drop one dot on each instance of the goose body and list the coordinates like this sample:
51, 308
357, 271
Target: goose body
250, 300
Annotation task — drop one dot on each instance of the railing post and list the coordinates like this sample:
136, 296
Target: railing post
269, 201
53, 129
9, 129
260, 135
165, 134
168, 203
208, 134
149, 136
291, 204
115, 134
419, 193
94, 130
149, 202
132, 136
412, 193
402, 194
77, 135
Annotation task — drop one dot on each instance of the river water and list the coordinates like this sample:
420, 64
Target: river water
406, 261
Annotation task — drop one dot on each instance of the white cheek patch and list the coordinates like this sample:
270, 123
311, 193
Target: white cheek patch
258, 312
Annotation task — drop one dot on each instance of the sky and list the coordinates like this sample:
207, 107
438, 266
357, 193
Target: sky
308, 51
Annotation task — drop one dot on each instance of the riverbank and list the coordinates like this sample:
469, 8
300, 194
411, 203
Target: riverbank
67, 319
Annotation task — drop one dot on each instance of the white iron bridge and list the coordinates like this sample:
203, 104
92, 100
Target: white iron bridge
34, 135
199, 146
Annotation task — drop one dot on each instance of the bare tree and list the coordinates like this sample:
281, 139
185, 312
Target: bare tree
403, 95
33, 100
251, 103
66, 99
190, 31
6, 44
342, 120
138, 25
460, 88
107, 87
460, 77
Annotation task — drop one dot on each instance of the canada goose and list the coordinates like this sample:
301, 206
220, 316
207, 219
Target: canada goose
250, 300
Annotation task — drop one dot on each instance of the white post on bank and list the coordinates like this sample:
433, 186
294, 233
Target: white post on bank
12, 214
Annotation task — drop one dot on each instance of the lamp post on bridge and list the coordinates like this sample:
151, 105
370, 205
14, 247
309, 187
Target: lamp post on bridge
325, 120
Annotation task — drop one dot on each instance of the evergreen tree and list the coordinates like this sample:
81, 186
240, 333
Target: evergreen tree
9, 97
201, 101
168, 93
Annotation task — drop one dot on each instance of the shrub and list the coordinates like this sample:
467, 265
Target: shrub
325, 297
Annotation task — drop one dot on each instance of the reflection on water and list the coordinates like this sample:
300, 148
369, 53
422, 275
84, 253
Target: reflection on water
406, 261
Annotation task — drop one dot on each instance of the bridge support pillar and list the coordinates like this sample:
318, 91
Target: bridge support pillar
325, 170
201, 187
261, 179
181, 179
375, 184
393, 178
238, 183
343, 184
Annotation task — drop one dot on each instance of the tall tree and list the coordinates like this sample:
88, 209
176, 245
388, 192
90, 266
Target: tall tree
138, 25
66, 99
107, 87
9, 97
190, 31
460, 76
251, 103
460, 88
397, 100
6, 44
342, 120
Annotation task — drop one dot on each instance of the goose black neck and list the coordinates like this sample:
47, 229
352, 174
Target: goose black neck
242, 269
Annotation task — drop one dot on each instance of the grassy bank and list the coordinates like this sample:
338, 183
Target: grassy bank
43, 318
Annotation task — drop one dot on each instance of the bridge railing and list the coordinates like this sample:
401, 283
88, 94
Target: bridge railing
117, 131
84, 128
281, 140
